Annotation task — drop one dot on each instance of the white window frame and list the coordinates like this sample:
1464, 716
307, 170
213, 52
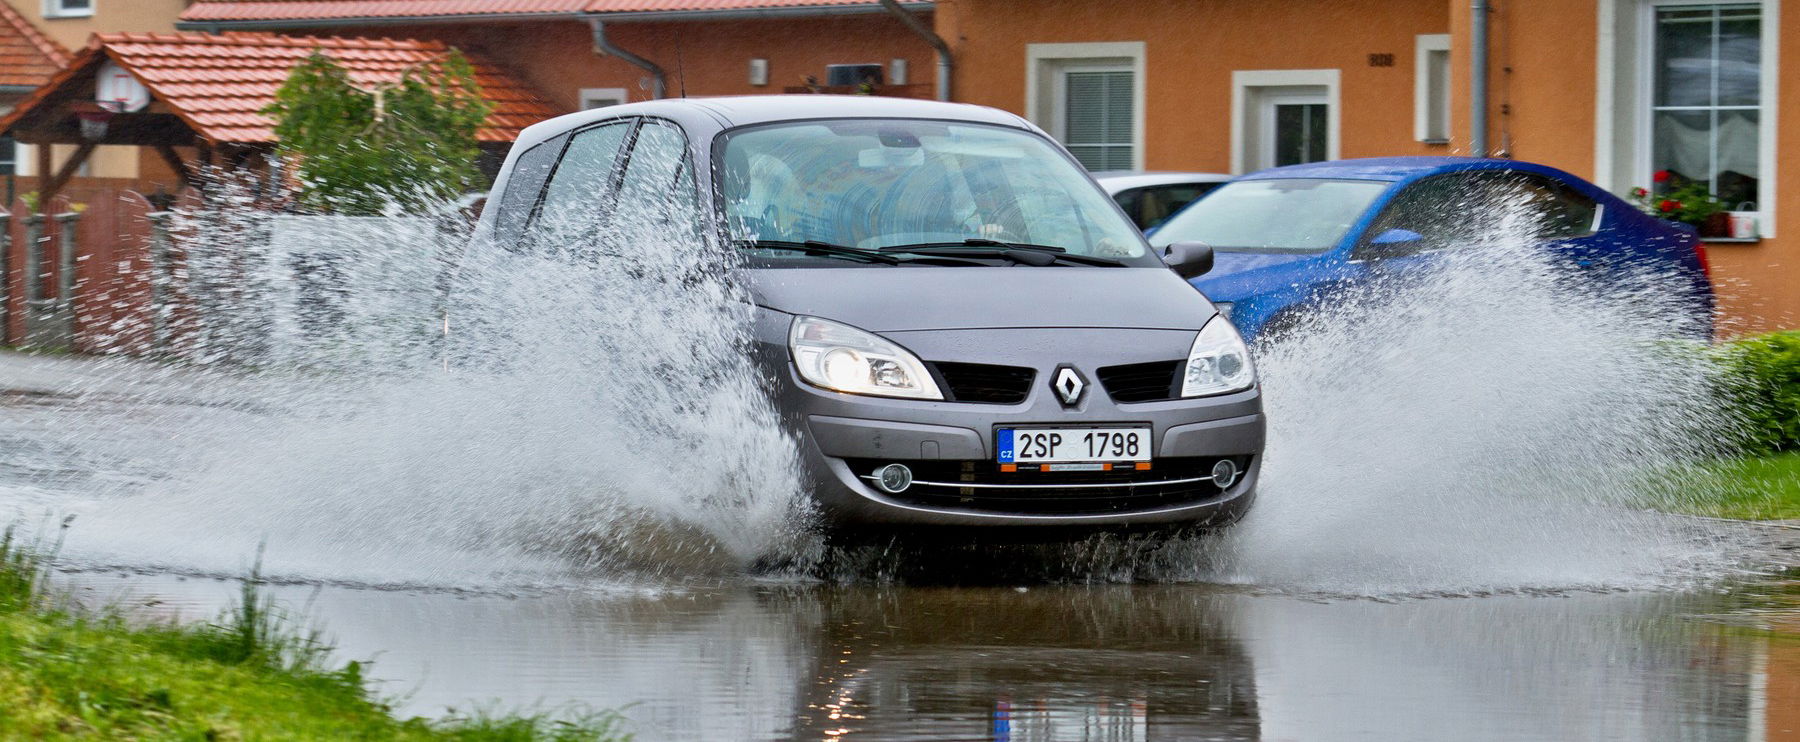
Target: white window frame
56, 9
1625, 89
1423, 47
587, 94
1250, 87
1045, 80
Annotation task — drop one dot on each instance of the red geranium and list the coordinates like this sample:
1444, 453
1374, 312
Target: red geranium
1661, 176
1667, 205
1639, 192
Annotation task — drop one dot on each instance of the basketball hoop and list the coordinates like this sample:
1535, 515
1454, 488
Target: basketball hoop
94, 120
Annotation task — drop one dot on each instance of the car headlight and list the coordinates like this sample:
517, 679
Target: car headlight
842, 358
1219, 362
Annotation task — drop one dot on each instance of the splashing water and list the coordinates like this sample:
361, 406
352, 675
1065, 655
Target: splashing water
1490, 427
592, 411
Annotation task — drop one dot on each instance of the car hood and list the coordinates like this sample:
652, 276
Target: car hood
891, 299
1236, 275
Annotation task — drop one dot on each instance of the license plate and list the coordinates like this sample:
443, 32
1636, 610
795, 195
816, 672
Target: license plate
1053, 445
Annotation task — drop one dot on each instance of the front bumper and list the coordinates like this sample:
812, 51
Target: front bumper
951, 445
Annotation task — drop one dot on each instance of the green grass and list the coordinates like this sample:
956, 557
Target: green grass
68, 673
1752, 488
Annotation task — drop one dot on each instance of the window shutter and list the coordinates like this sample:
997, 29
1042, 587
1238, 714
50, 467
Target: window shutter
1098, 125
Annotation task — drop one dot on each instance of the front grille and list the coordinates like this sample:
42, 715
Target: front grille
980, 382
1143, 382
1129, 493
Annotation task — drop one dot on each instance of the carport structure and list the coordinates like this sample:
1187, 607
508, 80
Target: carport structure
208, 92
81, 275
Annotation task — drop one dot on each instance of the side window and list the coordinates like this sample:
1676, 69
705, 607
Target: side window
1431, 207
523, 185
1161, 202
584, 174
659, 177
656, 156
1132, 202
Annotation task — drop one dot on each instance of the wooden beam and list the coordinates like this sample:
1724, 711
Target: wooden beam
50, 188
174, 161
44, 168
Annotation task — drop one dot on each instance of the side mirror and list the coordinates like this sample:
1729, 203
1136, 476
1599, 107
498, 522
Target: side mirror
1393, 243
1188, 259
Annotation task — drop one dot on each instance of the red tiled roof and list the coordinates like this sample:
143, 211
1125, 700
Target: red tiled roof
27, 56
321, 10
218, 84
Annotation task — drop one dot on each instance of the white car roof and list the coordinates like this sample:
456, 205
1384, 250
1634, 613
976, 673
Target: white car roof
1118, 181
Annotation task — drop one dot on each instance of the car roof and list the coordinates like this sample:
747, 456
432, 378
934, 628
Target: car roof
743, 110
1391, 168
1115, 181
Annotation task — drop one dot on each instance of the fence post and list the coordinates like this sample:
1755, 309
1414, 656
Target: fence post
162, 275
6, 297
65, 269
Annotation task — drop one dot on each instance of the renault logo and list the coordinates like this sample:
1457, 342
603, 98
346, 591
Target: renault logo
1069, 385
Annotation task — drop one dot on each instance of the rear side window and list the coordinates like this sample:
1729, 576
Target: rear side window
529, 172
1562, 212
583, 176
1152, 205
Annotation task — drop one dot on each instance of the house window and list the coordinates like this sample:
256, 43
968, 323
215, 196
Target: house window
1283, 117
1706, 100
601, 97
9, 156
1091, 98
1431, 88
1096, 117
68, 8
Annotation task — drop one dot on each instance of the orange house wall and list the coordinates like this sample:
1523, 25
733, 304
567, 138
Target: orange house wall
1191, 49
711, 57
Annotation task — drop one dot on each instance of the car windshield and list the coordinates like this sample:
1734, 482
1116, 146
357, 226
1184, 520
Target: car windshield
878, 184
1283, 215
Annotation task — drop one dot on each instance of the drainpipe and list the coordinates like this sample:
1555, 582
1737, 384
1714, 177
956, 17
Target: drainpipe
1478, 78
944, 64
658, 80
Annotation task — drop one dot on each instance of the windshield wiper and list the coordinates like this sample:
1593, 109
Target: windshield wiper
1022, 253
820, 247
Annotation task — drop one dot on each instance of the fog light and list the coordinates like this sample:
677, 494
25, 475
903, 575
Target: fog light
1224, 473
895, 478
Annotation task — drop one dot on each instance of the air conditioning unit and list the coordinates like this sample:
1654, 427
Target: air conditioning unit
852, 74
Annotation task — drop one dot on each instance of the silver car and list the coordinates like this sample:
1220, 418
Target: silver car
962, 329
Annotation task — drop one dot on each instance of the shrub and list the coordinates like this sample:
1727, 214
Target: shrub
1766, 372
360, 149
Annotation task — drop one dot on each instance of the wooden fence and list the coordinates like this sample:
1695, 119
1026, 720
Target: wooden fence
94, 275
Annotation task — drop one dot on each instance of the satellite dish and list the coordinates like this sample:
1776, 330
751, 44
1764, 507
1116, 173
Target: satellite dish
119, 90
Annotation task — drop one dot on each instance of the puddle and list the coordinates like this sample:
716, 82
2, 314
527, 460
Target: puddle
1065, 663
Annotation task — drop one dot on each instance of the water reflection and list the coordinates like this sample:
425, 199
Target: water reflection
1065, 663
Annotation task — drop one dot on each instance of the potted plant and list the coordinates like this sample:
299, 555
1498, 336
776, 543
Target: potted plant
1688, 202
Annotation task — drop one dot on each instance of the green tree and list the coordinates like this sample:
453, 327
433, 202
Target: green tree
359, 149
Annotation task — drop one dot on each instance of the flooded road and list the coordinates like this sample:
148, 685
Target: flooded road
1435, 613
778, 662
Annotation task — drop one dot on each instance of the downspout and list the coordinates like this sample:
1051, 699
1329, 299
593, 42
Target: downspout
1478, 78
945, 64
658, 80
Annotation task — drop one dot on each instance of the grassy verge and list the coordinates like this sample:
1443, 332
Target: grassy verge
69, 673
1753, 488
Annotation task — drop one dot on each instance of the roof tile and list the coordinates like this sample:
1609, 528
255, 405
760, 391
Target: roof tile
309, 10
27, 56
220, 83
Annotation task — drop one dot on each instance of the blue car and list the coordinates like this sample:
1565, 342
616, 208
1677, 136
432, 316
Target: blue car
1287, 239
